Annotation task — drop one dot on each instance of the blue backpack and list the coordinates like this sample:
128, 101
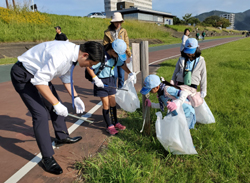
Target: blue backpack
103, 65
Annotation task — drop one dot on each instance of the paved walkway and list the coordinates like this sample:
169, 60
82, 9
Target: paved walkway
18, 147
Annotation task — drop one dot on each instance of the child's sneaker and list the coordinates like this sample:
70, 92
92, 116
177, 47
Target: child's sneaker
119, 126
112, 130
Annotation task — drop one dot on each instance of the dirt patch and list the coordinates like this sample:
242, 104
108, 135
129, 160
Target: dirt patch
121, 113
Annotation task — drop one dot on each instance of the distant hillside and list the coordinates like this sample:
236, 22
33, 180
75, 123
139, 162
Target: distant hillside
242, 20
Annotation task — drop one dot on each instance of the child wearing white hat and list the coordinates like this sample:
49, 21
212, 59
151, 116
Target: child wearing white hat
116, 31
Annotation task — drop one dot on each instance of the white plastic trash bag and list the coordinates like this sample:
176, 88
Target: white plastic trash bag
128, 100
130, 64
204, 114
173, 133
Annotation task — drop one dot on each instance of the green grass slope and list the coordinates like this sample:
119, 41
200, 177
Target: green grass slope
26, 26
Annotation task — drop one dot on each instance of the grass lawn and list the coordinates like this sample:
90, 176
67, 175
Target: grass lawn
180, 28
8, 60
223, 147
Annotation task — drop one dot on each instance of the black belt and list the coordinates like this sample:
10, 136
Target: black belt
20, 64
192, 85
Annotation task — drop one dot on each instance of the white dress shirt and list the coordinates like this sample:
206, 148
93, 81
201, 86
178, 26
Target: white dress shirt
49, 60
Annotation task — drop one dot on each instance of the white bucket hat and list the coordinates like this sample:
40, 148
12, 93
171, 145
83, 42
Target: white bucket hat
117, 17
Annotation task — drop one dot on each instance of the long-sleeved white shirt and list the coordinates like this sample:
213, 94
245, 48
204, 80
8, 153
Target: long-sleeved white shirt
49, 60
184, 39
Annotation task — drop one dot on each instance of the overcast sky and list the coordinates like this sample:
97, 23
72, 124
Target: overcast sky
175, 7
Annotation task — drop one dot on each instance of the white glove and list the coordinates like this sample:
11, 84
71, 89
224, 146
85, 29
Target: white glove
203, 94
132, 77
60, 109
80, 107
98, 82
171, 82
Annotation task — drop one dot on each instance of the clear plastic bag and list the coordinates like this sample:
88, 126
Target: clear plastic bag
130, 64
204, 114
128, 100
174, 134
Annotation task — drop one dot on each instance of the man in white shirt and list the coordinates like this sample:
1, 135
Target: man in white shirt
31, 77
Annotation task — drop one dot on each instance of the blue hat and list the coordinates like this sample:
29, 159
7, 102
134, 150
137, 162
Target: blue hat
150, 82
190, 46
120, 47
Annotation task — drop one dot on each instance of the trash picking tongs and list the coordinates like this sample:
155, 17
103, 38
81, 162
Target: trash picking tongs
115, 87
144, 119
81, 118
77, 117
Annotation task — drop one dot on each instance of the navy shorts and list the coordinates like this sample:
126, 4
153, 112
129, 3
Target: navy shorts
106, 91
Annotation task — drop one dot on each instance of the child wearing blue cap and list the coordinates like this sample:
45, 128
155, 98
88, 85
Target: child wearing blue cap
169, 96
190, 69
116, 56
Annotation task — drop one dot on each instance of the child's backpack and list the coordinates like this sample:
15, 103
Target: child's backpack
103, 65
87, 75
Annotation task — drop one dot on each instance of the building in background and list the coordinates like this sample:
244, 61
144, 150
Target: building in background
231, 18
136, 11
111, 5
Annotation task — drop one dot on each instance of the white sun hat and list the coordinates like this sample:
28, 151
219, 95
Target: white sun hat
117, 17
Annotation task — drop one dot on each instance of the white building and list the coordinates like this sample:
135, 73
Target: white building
110, 5
231, 18
138, 10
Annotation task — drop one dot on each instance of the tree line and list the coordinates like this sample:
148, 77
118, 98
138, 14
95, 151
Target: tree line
214, 21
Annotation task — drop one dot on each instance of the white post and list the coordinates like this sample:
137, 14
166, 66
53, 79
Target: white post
136, 57
144, 57
33, 5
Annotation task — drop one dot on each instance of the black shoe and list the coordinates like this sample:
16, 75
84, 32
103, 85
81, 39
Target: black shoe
51, 165
68, 140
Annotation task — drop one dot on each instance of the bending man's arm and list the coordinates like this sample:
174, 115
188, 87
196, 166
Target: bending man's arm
68, 88
47, 94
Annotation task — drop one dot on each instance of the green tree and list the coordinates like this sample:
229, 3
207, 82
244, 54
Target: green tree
187, 17
176, 21
225, 22
194, 20
212, 20
217, 21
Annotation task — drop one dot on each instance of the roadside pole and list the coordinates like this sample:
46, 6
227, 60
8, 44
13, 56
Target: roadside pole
145, 72
33, 5
136, 57
7, 4
14, 4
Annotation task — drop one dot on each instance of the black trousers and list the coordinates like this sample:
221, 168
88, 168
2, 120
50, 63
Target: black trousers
40, 109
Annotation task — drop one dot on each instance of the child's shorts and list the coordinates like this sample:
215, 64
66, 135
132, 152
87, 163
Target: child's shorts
106, 91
